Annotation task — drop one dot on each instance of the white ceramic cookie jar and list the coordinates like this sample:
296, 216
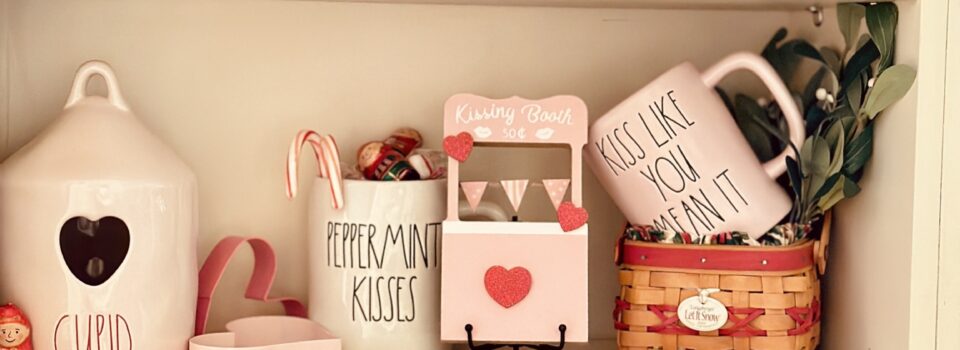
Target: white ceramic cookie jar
98, 229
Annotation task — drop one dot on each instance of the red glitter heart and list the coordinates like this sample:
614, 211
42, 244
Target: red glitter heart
571, 217
507, 287
459, 147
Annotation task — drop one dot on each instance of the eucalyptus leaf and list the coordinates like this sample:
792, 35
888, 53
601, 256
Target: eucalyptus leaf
858, 63
748, 114
775, 40
814, 117
833, 60
810, 91
864, 39
892, 84
882, 22
725, 98
815, 157
836, 137
839, 138
834, 196
806, 155
773, 122
849, 16
828, 186
840, 112
826, 57
773, 53
848, 124
804, 49
788, 60
854, 95
858, 152
850, 188
793, 172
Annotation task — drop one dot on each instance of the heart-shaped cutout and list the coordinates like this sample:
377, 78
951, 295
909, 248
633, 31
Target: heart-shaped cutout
459, 147
507, 287
272, 332
94, 249
571, 217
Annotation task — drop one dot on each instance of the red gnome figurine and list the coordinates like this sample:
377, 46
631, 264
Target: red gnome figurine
14, 329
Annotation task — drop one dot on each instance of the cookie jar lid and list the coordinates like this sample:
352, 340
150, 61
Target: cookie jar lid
96, 138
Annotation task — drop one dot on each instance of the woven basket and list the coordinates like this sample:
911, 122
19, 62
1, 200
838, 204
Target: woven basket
772, 295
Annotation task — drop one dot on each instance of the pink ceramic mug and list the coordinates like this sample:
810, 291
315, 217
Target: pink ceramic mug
671, 155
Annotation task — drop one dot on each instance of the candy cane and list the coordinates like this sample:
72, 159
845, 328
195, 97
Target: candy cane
331, 159
328, 163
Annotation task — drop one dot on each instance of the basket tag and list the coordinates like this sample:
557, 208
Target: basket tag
702, 313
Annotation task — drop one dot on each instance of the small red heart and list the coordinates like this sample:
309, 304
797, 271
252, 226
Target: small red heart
507, 287
459, 147
571, 217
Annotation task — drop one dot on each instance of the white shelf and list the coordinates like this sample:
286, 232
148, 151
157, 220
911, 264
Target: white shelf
626, 4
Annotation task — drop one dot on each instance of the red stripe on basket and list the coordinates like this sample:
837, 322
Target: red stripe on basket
805, 317
669, 324
663, 255
619, 306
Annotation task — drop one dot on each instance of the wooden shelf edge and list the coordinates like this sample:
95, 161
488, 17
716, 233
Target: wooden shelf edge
784, 5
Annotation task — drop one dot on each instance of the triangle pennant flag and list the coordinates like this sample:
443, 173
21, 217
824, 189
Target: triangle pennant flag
556, 189
473, 190
515, 190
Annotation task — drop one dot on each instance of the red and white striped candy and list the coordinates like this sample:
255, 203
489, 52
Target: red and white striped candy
328, 163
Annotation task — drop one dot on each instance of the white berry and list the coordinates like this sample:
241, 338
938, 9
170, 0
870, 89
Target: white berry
821, 94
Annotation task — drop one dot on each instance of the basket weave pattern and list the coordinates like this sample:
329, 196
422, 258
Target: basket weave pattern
768, 308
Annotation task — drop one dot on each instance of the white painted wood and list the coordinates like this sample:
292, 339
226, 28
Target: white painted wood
527, 228
227, 84
923, 34
948, 313
670, 4
4, 81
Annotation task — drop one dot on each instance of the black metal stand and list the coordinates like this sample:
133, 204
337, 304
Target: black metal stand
562, 328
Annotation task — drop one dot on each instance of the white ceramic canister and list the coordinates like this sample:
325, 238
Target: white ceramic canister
98, 229
375, 263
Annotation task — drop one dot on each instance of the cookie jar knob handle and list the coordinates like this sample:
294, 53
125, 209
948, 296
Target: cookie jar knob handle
88, 70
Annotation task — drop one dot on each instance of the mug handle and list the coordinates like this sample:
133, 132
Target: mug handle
485, 209
756, 64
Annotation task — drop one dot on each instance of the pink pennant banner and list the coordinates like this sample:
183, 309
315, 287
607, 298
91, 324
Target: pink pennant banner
473, 190
515, 190
556, 189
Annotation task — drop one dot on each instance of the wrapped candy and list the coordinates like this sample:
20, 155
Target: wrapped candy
351, 172
431, 164
404, 140
378, 161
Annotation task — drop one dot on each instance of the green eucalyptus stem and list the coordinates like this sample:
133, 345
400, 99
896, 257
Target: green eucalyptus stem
840, 100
